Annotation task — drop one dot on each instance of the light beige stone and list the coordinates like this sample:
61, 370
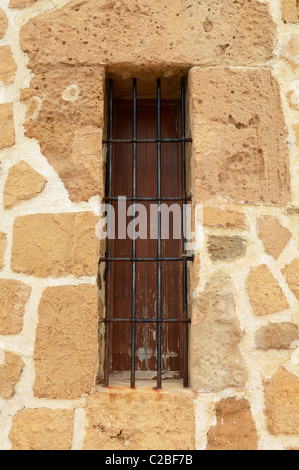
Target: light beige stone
277, 336
282, 403
140, 420
265, 293
66, 348
239, 136
42, 429
216, 361
23, 183
10, 373
13, 298
290, 48
220, 218
55, 245
235, 428
68, 129
8, 66
150, 35
291, 272
273, 235
290, 11
3, 244
226, 248
296, 130
7, 136
3, 23
20, 3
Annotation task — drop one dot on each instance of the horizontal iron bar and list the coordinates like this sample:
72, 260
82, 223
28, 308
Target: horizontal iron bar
145, 141
154, 199
144, 320
182, 258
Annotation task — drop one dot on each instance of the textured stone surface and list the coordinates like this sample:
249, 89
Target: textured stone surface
265, 294
20, 3
68, 125
226, 248
282, 403
10, 373
216, 361
55, 245
7, 136
273, 235
291, 273
42, 429
150, 33
276, 336
8, 65
22, 183
13, 298
3, 244
290, 48
126, 420
66, 350
239, 136
3, 23
290, 10
235, 428
218, 218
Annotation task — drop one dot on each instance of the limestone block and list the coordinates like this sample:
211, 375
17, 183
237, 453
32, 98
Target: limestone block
20, 3
3, 244
290, 48
13, 298
3, 23
239, 136
265, 293
218, 218
146, 35
235, 428
8, 66
226, 248
277, 336
273, 235
65, 115
140, 420
7, 135
23, 183
216, 361
42, 429
66, 348
55, 245
291, 273
10, 373
282, 403
290, 11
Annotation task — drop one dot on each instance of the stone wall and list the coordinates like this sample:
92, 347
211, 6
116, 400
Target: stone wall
242, 58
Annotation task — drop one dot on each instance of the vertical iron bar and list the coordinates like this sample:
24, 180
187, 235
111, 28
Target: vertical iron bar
108, 268
133, 333
185, 307
159, 325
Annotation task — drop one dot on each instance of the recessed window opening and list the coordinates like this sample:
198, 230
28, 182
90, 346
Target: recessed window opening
147, 320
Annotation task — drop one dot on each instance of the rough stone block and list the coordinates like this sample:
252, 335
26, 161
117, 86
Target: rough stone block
226, 248
3, 244
7, 135
3, 23
220, 218
273, 235
8, 65
291, 273
13, 298
239, 136
20, 3
290, 11
23, 183
277, 336
216, 360
10, 373
265, 293
140, 420
282, 403
66, 348
235, 428
42, 429
55, 245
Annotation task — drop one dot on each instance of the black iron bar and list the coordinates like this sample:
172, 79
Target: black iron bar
185, 304
159, 306
148, 199
145, 141
134, 260
144, 320
134, 178
108, 269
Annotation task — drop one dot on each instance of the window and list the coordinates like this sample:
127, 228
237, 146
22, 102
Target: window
146, 274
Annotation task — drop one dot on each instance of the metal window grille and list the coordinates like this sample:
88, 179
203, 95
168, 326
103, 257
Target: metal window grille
184, 258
